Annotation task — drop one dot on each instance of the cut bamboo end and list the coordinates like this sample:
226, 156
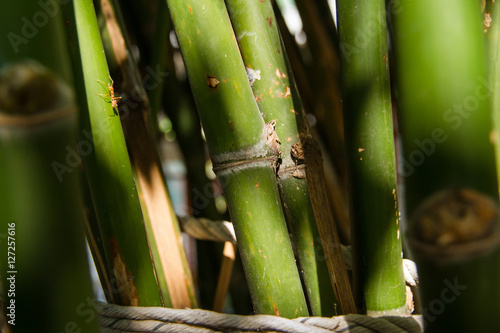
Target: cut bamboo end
32, 96
455, 240
456, 224
28, 88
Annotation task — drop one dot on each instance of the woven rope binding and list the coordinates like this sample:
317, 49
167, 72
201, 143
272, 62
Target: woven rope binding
115, 318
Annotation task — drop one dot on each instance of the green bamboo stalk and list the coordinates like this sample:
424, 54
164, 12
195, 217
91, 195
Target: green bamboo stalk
108, 170
44, 269
257, 33
456, 88
492, 36
335, 189
448, 162
379, 284
32, 197
181, 110
243, 149
173, 274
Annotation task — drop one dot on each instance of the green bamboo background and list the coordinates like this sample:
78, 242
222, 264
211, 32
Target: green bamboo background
383, 125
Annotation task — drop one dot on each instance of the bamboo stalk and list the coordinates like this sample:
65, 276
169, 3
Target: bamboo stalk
259, 40
244, 150
48, 247
449, 162
335, 185
108, 170
446, 122
379, 285
492, 36
163, 230
181, 110
45, 274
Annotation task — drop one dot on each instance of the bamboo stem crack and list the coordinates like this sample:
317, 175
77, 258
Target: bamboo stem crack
238, 165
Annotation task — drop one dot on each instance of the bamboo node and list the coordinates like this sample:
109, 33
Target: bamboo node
30, 95
296, 171
238, 165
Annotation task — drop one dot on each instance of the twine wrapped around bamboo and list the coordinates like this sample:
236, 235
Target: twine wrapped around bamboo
117, 318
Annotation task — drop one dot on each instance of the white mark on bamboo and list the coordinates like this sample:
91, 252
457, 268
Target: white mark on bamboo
243, 34
252, 75
280, 75
287, 92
